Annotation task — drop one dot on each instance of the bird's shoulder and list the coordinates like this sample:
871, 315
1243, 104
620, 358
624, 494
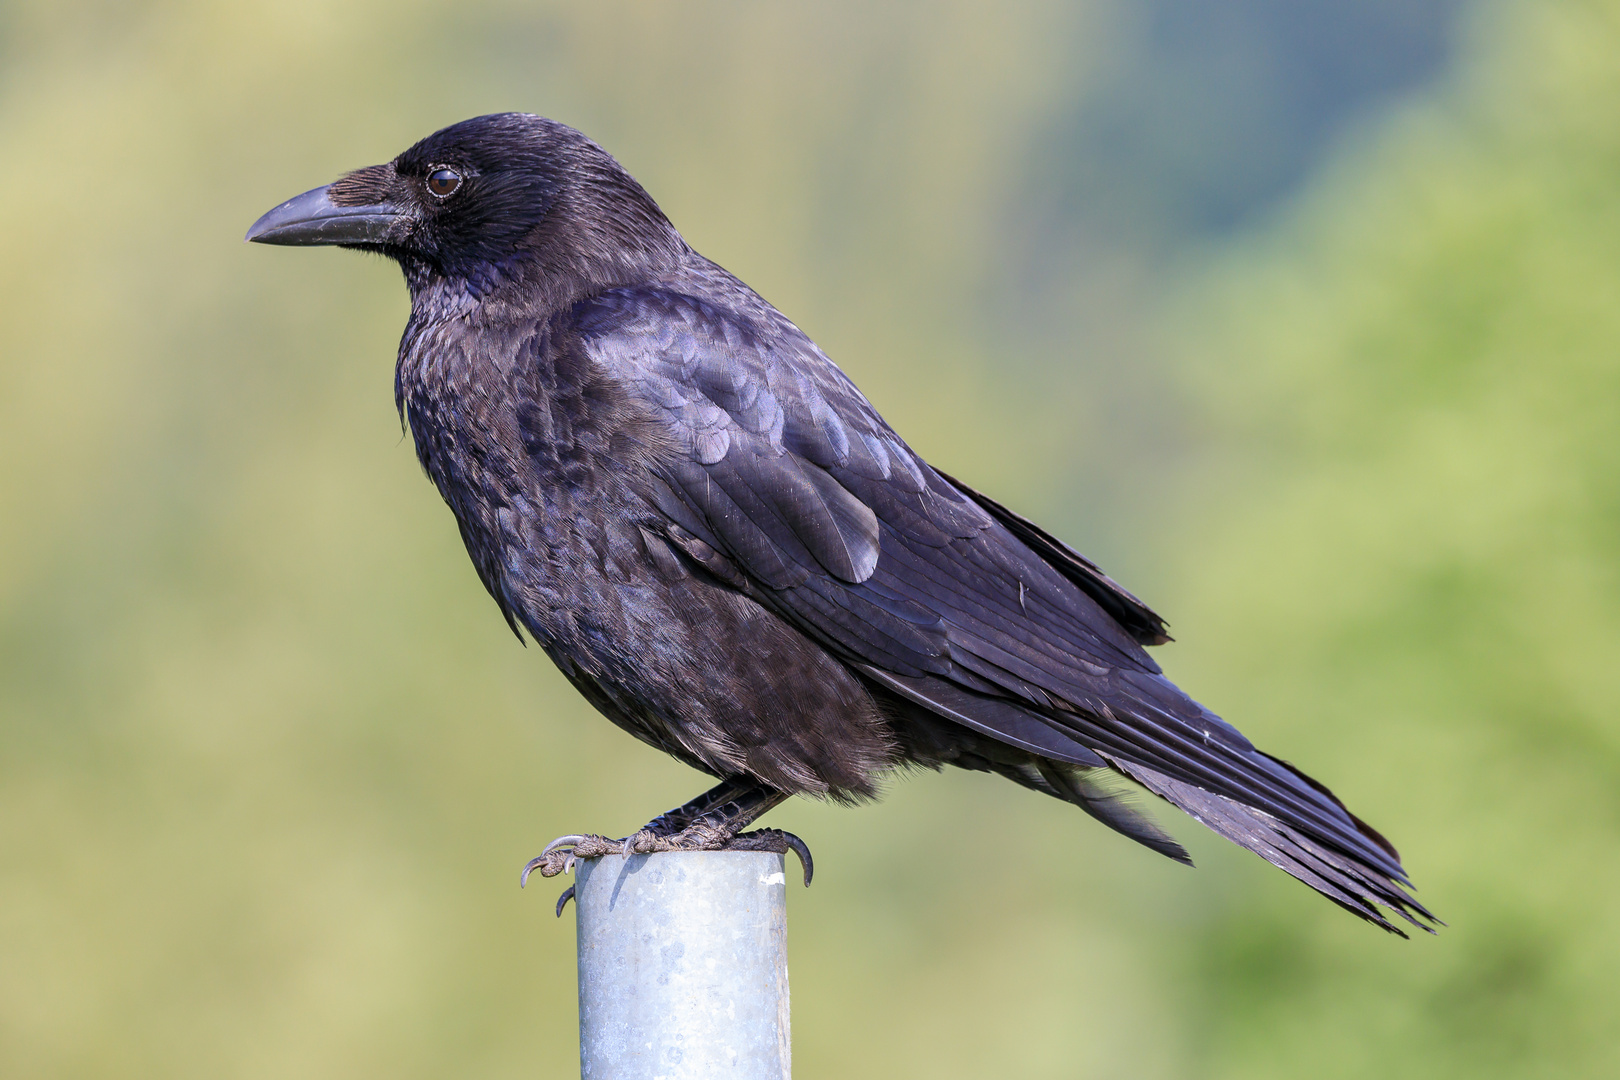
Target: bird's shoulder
777, 450
721, 362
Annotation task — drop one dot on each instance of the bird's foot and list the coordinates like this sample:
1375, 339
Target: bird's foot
562, 853
778, 840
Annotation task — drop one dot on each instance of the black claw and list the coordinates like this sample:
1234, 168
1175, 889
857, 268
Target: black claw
528, 868
802, 850
779, 841
562, 901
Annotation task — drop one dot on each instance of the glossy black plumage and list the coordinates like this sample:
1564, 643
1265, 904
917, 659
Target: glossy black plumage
725, 548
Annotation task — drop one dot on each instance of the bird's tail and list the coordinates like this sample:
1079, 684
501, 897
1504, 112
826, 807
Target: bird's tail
1102, 794
1347, 880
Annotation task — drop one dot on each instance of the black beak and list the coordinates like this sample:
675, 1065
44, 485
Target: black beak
312, 218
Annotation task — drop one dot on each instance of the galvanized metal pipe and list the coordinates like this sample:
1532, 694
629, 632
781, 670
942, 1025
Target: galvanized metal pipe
683, 966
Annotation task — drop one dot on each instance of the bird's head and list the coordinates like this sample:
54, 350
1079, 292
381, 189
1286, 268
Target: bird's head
497, 199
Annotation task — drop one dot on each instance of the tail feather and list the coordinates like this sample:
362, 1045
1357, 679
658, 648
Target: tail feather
1351, 881
1110, 803
1361, 826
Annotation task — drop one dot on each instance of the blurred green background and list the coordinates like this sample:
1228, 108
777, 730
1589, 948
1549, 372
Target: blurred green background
1302, 317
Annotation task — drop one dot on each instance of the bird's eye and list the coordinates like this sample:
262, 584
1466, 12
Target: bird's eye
443, 182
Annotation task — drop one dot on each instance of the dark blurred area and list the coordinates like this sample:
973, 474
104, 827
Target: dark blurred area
1205, 116
1298, 316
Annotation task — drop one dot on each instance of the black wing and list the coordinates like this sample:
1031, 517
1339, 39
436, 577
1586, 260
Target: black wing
790, 486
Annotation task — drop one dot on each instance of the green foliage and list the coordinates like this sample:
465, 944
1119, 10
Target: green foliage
1405, 567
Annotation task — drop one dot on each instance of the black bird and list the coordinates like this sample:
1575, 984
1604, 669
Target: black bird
723, 546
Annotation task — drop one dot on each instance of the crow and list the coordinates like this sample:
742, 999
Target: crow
730, 554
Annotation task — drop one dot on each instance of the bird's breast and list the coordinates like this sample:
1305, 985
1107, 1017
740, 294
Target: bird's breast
542, 459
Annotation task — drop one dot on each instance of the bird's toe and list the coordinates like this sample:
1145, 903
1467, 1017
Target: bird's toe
560, 855
779, 841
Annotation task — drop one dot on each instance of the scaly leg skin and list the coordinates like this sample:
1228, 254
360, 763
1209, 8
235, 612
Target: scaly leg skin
710, 822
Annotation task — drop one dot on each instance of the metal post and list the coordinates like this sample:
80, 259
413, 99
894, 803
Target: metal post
683, 966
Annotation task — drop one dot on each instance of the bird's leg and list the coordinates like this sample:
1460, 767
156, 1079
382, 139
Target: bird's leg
715, 801
711, 822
